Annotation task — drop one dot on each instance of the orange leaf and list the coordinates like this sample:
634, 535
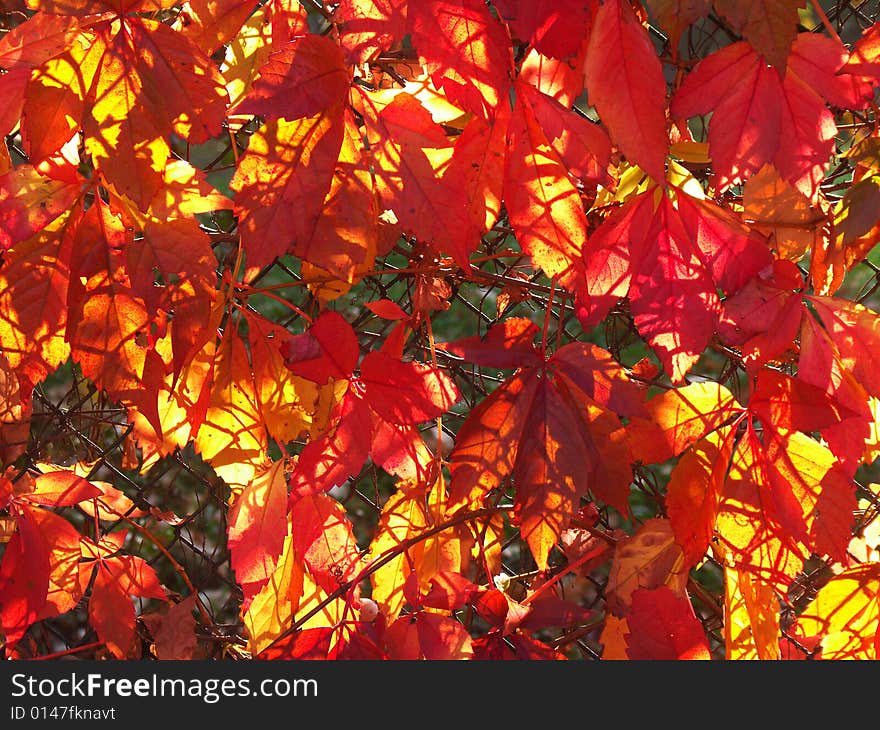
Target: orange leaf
174, 632
694, 490
232, 438
543, 204
42, 37
676, 15
678, 418
408, 150
288, 404
61, 489
403, 517
649, 559
777, 209
782, 500
769, 25
29, 202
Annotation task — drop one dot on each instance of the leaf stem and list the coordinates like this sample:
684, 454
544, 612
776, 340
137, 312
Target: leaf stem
824, 18
384, 559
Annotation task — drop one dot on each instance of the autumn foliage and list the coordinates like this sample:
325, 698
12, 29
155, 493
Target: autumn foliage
507, 330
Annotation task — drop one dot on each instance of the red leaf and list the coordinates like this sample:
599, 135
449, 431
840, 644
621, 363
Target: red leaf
821, 365
760, 116
600, 376
63, 542
24, 577
466, 52
180, 83
663, 626
286, 161
625, 82
332, 458
328, 349
763, 317
400, 136
783, 402
406, 392
582, 146
112, 614
257, 526
307, 77
551, 610
507, 344
449, 591
492, 605
442, 638
553, 439
855, 330
322, 536
555, 28
386, 309
400, 450
560, 80
670, 261
477, 167
369, 26
305, 644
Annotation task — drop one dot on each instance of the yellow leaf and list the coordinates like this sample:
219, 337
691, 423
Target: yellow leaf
403, 517
846, 614
272, 609
448, 550
247, 52
751, 617
232, 438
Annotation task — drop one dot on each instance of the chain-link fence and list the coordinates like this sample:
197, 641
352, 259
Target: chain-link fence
183, 505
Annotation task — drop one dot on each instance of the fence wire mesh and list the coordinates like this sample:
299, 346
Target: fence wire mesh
183, 504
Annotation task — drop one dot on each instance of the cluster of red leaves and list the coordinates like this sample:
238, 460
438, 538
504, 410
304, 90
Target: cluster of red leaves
106, 260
